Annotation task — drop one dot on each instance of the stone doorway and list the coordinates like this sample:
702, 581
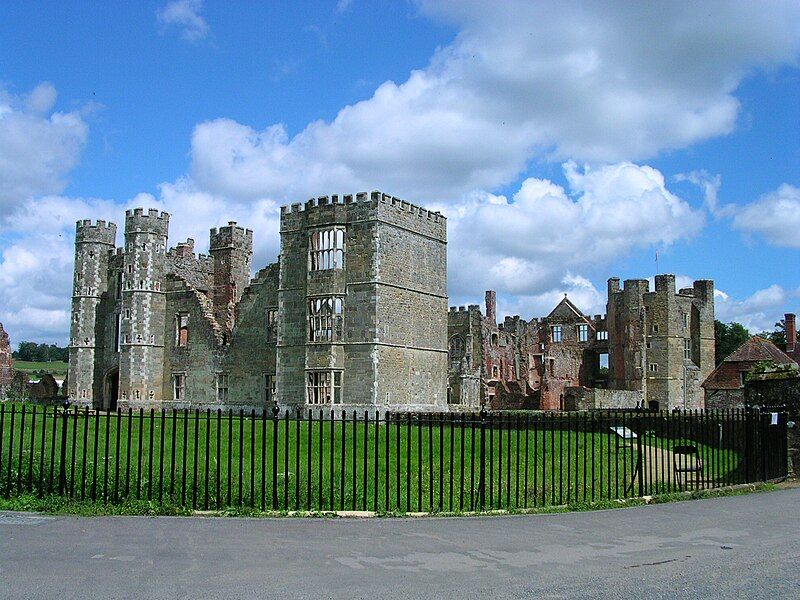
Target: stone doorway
111, 390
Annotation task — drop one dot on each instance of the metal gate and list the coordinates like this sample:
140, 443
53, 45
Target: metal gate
772, 444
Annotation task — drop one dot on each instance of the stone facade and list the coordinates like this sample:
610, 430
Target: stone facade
363, 304
659, 345
352, 316
6, 363
661, 342
522, 364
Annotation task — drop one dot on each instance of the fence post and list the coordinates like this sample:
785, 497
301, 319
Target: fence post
62, 470
639, 461
746, 465
275, 412
482, 476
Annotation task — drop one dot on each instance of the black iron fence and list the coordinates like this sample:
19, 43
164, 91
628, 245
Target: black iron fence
386, 463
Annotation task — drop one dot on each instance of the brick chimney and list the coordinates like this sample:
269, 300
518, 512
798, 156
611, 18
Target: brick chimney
791, 332
491, 306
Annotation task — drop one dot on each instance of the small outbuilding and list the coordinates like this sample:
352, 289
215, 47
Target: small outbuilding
725, 386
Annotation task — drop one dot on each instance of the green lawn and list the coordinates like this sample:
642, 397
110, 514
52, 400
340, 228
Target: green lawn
217, 461
57, 368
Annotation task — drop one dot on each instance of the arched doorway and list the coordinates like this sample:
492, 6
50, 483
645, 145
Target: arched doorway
111, 389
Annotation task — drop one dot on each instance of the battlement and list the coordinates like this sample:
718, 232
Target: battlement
229, 236
97, 232
153, 221
374, 205
372, 199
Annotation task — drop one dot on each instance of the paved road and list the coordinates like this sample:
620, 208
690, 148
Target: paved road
737, 547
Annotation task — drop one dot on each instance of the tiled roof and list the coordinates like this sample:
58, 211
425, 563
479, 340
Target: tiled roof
756, 349
727, 376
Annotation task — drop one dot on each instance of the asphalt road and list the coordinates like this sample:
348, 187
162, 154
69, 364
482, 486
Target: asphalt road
736, 547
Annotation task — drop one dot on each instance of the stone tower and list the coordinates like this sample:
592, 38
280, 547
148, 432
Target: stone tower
94, 243
231, 247
141, 362
362, 305
661, 342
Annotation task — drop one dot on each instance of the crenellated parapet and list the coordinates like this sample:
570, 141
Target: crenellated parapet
95, 232
152, 221
231, 236
364, 206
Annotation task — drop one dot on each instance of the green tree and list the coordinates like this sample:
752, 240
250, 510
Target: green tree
729, 336
778, 335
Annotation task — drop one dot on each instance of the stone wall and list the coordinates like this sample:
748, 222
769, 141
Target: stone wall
6, 363
392, 351
581, 398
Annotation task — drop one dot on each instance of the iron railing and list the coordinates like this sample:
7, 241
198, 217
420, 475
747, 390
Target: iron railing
391, 462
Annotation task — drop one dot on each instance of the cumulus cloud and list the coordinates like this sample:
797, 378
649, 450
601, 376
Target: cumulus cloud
38, 147
757, 312
774, 216
525, 245
586, 82
184, 15
578, 83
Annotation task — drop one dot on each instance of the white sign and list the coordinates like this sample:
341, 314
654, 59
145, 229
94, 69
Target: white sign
624, 433
774, 418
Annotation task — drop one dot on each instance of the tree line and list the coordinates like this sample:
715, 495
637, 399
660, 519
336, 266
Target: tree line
33, 352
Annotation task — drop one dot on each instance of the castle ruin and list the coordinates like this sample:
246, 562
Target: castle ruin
658, 347
353, 315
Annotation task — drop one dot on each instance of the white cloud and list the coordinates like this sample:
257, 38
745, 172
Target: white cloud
587, 82
525, 246
584, 82
185, 15
38, 147
758, 312
775, 216
581, 292
710, 185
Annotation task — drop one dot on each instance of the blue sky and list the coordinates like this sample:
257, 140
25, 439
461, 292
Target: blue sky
565, 143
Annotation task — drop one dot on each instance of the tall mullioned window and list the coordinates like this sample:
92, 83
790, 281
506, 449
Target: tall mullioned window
456, 347
178, 386
326, 249
222, 387
556, 331
687, 348
325, 319
324, 387
583, 333
269, 387
272, 324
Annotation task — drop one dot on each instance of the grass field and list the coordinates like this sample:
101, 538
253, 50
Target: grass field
216, 461
56, 368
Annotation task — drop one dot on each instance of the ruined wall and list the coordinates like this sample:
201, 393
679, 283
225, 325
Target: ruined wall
466, 371
581, 398
200, 359
6, 363
661, 342
231, 249
251, 355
